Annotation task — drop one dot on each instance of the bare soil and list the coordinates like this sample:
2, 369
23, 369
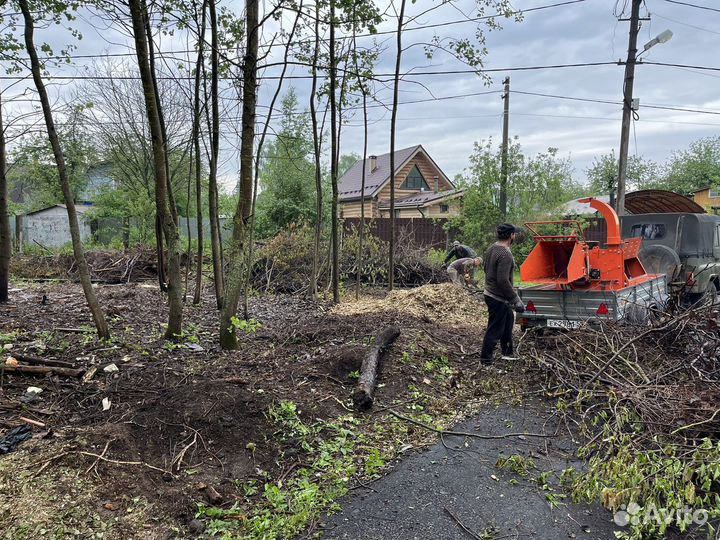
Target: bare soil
188, 423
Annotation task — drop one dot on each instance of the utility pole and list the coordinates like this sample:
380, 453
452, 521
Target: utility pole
627, 104
504, 155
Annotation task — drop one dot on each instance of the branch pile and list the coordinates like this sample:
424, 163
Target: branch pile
648, 401
137, 264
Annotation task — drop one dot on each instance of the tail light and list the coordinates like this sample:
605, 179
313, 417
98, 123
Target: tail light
603, 309
690, 279
531, 307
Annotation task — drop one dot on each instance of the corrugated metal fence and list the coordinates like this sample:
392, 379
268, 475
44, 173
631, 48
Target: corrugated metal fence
420, 232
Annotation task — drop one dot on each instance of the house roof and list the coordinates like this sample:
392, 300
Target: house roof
350, 184
426, 198
79, 208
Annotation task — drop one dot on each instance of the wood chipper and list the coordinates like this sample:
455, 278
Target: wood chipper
571, 280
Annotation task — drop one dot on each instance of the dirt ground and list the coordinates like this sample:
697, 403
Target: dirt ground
191, 431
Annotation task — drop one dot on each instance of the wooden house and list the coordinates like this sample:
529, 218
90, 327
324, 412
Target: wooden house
422, 190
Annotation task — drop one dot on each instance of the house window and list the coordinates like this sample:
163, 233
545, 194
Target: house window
397, 213
714, 193
415, 180
444, 208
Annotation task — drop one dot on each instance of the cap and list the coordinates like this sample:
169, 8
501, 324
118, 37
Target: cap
456, 243
505, 229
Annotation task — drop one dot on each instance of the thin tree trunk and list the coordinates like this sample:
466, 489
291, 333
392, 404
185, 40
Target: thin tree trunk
165, 212
215, 238
228, 337
160, 253
334, 162
316, 152
361, 232
198, 161
78, 251
261, 142
393, 121
188, 254
5, 236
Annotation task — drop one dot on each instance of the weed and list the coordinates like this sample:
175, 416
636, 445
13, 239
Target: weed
374, 463
249, 326
516, 463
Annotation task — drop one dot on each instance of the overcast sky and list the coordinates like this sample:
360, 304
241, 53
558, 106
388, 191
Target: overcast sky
582, 32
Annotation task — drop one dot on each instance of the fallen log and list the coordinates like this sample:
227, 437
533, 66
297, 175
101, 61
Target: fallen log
363, 394
43, 370
42, 361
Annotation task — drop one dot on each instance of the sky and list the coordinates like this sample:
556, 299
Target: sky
580, 31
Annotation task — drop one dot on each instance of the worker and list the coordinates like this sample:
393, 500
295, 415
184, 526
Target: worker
462, 271
460, 251
500, 296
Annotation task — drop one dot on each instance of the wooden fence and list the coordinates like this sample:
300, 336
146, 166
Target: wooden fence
420, 232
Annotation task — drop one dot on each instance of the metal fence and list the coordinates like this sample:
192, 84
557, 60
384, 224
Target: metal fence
420, 232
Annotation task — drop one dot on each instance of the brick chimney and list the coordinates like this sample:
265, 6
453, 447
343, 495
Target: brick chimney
373, 164
437, 184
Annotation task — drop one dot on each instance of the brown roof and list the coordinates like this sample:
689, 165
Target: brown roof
350, 184
659, 201
424, 198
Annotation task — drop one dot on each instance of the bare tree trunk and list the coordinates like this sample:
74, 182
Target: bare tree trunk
361, 232
198, 161
160, 254
316, 152
78, 251
5, 236
163, 196
261, 142
228, 337
215, 238
393, 122
334, 162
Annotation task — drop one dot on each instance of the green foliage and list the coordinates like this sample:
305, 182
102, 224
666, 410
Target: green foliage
537, 186
287, 174
516, 463
284, 509
248, 326
695, 168
602, 174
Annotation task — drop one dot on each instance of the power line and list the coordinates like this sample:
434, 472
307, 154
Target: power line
374, 77
692, 5
384, 32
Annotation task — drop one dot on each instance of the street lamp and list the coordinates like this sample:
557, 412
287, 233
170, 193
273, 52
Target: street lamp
662, 37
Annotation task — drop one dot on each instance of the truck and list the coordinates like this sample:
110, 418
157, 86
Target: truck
574, 281
684, 247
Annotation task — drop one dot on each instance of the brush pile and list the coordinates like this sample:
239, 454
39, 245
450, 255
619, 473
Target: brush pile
129, 266
648, 401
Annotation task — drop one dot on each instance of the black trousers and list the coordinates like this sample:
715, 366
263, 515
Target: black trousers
500, 324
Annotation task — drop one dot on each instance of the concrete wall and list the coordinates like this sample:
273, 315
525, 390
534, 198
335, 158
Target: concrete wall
50, 228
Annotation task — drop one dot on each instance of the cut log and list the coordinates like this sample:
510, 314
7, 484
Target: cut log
363, 394
43, 370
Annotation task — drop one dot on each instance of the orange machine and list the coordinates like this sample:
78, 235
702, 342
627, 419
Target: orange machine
569, 262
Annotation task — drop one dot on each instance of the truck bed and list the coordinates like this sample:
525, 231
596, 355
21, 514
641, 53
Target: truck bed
553, 306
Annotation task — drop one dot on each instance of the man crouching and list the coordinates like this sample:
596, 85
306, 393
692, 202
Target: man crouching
462, 271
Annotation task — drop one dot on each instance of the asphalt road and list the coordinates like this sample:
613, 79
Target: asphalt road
460, 477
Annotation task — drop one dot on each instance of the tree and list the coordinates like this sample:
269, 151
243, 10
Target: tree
695, 168
165, 205
537, 186
602, 174
287, 174
78, 250
5, 236
228, 338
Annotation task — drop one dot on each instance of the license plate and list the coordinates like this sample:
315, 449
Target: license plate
562, 323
